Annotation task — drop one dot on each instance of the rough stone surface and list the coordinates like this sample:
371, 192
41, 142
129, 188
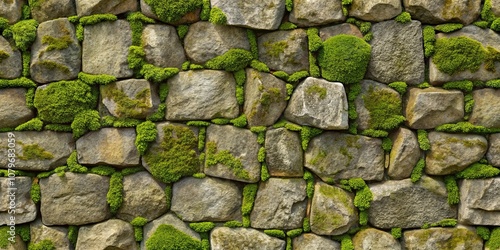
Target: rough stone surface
280, 203
486, 108
206, 199
480, 202
442, 238
51, 9
265, 98
397, 53
284, 50
404, 155
11, 10
10, 67
337, 156
431, 107
50, 64
74, 199
162, 46
332, 210
111, 146
345, 28
243, 238
13, 109
372, 238
100, 56
86, 7
25, 209
375, 11
315, 13
167, 219
309, 241
495, 7
218, 100
265, 14
241, 144
284, 157
435, 12
58, 235
493, 154
111, 234
319, 103
451, 153
18, 245
393, 207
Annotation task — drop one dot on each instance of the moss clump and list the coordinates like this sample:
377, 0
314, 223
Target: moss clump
135, 57
138, 223
495, 83
115, 193
441, 223
87, 120
202, 227
34, 124
486, 12
275, 233
24, 33
483, 232
316, 90
458, 54
313, 66
404, 17
96, 79
297, 76
232, 60
375, 133
468, 104
429, 36
448, 27
452, 190
281, 75
274, 49
252, 39
261, 156
363, 198
387, 144
466, 127
249, 193
103, 170
478, 171
260, 66
146, 133
167, 237
35, 192
97, 18
217, 16
157, 74
481, 24
423, 140
384, 108
220, 121
73, 234
240, 121
30, 96
34, 151
57, 43
289, 5
205, 10
287, 26
42, 245
225, 158
136, 20
418, 170
73, 165
233, 224
294, 232
400, 87
182, 31
464, 85
354, 91
396, 232
494, 241
171, 11
346, 243
310, 183
307, 133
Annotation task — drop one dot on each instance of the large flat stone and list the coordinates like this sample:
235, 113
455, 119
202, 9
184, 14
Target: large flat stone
11, 10
264, 14
111, 234
284, 156
486, 108
167, 219
284, 50
435, 12
91, 7
17, 188
376, 11
480, 202
12, 66
52, 9
58, 235
442, 238
315, 13
162, 46
243, 238
13, 109
372, 238
309, 241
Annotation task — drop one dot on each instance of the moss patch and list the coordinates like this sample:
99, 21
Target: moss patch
458, 54
115, 193
316, 90
97, 18
101, 79
146, 133
232, 60
24, 33
274, 49
478, 171
57, 43
217, 16
167, 237
224, 157
126, 106
384, 108
88, 120
34, 151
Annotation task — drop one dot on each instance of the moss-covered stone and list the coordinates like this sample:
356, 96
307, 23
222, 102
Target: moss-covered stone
167, 237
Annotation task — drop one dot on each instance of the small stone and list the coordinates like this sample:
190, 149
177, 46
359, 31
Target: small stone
435, 12
404, 155
52, 9
442, 238
11, 10
13, 109
495, 7
486, 108
493, 154
57, 235
11, 64
91, 7
285, 50
162, 46
345, 28
315, 13
243, 238
24, 208
310, 241
284, 156
111, 234
167, 219
372, 238
375, 11
264, 14
480, 202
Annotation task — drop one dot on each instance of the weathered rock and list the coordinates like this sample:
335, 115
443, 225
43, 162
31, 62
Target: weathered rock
24, 207
38, 151
11, 10
337, 156
57, 235
442, 238
332, 210
162, 46
315, 13
375, 11
480, 202
311, 241
205, 41
431, 107
284, 157
495, 7
86, 7
434, 12
284, 50
100, 56
372, 238
397, 53
265, 98
18, 243
451, 153
493, 154
345, 28
111, 146
393, 207
404, 155
238, 145
215, 199
265, 14
167, 219
280, 203
111, 234
56, 53
74, 199
51, 9
11, 64
486, 108
319, 103
188, 18
13, 109
218, 100
243, 238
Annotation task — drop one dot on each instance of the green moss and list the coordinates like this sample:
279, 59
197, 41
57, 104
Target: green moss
232, 60
441, 223
400, 87
87, 120
375, 133
35, 192
306, 225
418, 170
51, 65
246, 221
73, 234
97, 18
363, 198
468, 104
483, 232
396, 232
313, 66
115, 193
34, 124
167, 237
261, 156
202, 227
135, 57
127, 106
233, 224
292, 126
225, 158
486, 12
495, 25
458, 54
240, 121
57, 43
297, 76
423, 140
157, 74
363, 218
101, 79
146, 133
495, 83
42, 245
201, 138
404, 17
136, 20
102, 170
275, 233
494, 241
316, 90
449, 27
24, 33
346, 243
73, 165
264, 172
205, 10
249, 193
281, 75
4, 24
168, 196
356, 183
220, 121
289, 5
193, 66
287, 26
30, 96
465, 127
274, 49
464, 85
352, 94
199, 175
481, 24
289, 91
26, 58
310, 183
387, 144
478, 171
198, 123
24, 232
429, 36
182, 31
384, 108
294, 232
452, 190
217, 16
260, 66
79, 32
61, 171
252, 39
132, 170
34, 151
307, 133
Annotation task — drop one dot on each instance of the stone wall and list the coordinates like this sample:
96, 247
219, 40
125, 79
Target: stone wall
233, 124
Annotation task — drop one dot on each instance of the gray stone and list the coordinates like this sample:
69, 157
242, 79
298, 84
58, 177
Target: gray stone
100, 56
265, 14
486, 108
265, 98
337, 156
167, 219
372, 238
241, 145
13, 109
57, 235
111, 234
451, 153
50, 63
397, 53
12, 10
11, 64
205, 41
284, 50
91, 7
392, 206
442, 238
435, 12
38, 151
404, 155
493, 154
431, 107
284, 156
332, 210
162, 46
345, 28
18, 243
24, 208
375, 11
206, 199
280, 203
319, 103
74, 199
190, 17
218, 100
222, 238
480, 202
310, 241
51, 9
315, 13
495, 7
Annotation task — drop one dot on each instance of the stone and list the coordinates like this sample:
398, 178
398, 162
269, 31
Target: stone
452, 153
284, 156
375, 11
435, 12
57, 235
11, 64
206, 199
372, 238
18, 244
142, 196
12, 10
265, 98
167, 219
205, 41
52, 9
162, 46
430, 107
37, 151
13, 109
188, 18
309, 241
56, 53
493, 154
404, 155
480, 202
74, 199
100, 147
237, 144
263, 15
280, 203
393, 207
111, 234
442, 238
332, 210
99, 56
397, 53
338, 156
319, 103
87, 8
495, 7
24, 208
243, 238
345, 28
486, 108
316, 13
218, 100
284, 50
